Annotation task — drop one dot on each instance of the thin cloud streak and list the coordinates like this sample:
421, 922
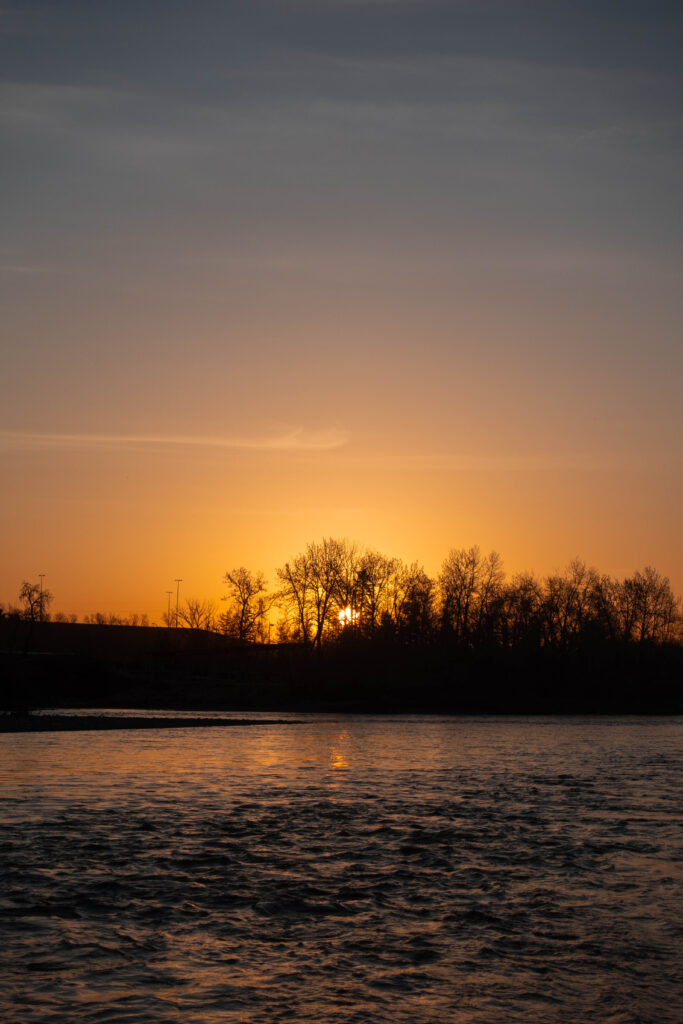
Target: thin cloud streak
297, 440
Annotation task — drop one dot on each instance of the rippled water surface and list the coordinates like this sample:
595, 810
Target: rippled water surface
398, 870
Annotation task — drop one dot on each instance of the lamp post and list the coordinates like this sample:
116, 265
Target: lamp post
168, 614
40, 607
177, 599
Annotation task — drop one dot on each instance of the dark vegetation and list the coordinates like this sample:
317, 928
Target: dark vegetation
360, 631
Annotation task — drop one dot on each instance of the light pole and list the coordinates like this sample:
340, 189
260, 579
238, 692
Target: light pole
177, 599
41, 574
168, 614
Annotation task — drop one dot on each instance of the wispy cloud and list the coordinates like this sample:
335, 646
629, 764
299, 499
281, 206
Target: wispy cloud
295, 440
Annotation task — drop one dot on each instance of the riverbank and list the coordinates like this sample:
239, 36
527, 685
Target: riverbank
366, 678
82, 723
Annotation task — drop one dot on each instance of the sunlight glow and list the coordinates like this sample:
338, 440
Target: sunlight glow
339, 751
348, 617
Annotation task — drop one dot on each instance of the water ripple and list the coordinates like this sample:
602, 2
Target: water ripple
471, 871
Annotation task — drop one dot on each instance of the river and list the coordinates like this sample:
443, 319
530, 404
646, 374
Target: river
344, 869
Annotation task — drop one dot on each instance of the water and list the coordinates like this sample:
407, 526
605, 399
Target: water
355, 870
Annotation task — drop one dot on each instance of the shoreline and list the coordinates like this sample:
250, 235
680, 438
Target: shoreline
84, 723
11, 723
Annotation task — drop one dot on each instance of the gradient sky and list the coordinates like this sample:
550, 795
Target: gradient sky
404, 271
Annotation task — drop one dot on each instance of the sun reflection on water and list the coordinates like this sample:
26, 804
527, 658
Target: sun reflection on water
339, 751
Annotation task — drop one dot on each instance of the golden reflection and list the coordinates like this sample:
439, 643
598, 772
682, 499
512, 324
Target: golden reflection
339, 751
267, 758
265, 753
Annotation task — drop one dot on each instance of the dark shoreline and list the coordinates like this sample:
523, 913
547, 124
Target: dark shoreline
357, 678
34, 723
82, 723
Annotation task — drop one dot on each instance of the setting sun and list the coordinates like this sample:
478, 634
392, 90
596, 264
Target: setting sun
348, 617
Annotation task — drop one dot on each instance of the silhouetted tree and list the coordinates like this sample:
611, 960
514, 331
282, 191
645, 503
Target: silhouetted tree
316, 585
413, 604
293, 597
568, 604
609, 615
375, 585
344, 560
653, 606
489, 603
112, 619
34, 602
196, 614
521, 612
324, 574
470, 585
284, 632
247, 610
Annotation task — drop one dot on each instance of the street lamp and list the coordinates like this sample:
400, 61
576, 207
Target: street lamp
168, 614
41, 574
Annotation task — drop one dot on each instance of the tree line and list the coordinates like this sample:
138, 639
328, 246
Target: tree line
335, 590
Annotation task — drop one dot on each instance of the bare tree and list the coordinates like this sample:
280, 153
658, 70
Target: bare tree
654, 607
248, 605
568, 604
375, 579
470, 584
324, 569
521, 611
196, 614
608, 610
317, 585
414, 608
35, 602
64, 617
345, 561
293, 597
489, 597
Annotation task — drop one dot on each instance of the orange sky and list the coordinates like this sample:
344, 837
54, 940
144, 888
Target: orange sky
335, 276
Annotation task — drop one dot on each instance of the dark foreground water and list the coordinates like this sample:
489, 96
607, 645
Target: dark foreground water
398, 870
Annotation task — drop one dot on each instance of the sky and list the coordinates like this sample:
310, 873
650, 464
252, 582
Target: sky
403, 271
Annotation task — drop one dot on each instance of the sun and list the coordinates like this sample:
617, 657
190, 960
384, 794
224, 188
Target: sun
348, 617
